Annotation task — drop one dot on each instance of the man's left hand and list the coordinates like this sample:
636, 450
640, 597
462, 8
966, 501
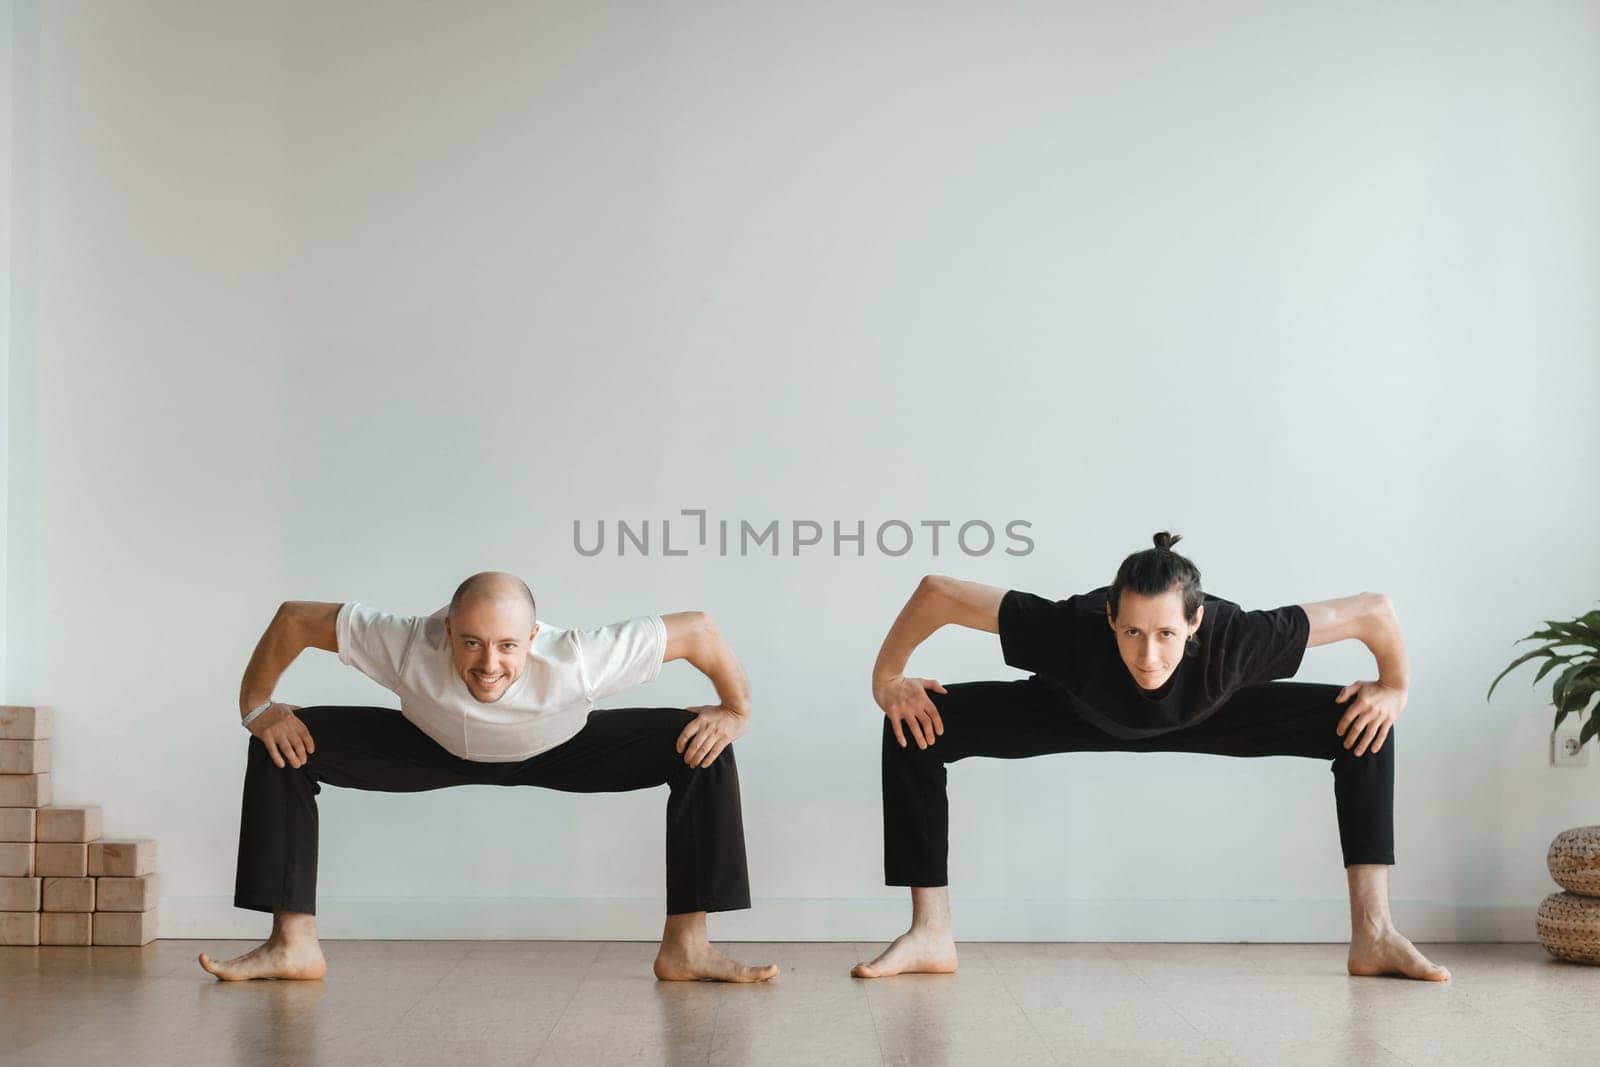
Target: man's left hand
712, 729
1366, 722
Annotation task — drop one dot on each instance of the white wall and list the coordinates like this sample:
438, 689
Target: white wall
8, 242
346, 301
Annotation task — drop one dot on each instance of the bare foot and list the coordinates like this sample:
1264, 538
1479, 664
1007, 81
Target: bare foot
917, 951
677, 963
1388, 953
274, 959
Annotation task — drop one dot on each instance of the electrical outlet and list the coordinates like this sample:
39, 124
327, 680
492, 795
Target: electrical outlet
1565, 748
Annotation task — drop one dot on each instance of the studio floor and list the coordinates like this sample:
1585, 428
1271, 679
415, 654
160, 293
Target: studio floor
588, 1002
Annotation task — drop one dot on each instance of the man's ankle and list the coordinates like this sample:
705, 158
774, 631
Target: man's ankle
1370, 927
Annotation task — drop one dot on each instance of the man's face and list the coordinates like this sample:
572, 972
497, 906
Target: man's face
1151, 634
489, 642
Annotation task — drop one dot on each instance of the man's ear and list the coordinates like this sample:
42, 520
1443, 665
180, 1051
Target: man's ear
1109, 620
1199, 616
534, 633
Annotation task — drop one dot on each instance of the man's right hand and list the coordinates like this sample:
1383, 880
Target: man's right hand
905, 701
285, 736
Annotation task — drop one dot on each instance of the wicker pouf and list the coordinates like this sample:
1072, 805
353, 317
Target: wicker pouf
1569, 927
1574, 860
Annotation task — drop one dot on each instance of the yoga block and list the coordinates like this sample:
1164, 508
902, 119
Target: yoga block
126, 894
25, 757
19, 894
17, 824
122, 859
68, 824
58, 860
19, 928
24, 724
124, 927
69, 894
66, 928
24, 790
16, 859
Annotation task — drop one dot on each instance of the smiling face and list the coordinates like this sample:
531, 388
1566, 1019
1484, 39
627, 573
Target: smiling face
1152, 634
489, 640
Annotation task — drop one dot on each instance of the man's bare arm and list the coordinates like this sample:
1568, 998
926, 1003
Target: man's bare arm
296, 626
693, 636
1371, 619
937, 601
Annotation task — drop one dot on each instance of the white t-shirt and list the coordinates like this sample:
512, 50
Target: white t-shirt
567, 671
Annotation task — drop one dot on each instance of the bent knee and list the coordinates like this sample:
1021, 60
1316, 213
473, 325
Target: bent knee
259, 756
1373, 753
721, 769
891, 743
1386, 751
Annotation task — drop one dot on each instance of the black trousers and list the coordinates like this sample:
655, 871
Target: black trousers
1013, 720
376, 748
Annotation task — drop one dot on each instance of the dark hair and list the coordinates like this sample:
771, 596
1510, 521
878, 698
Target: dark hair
1155, 571
476, 585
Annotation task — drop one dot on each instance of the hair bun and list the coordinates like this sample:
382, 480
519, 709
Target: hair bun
1167, 540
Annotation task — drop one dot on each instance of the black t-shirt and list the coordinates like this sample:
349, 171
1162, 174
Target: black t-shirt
1071, 648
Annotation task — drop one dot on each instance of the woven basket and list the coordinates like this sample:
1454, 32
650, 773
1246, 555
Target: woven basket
1574, 860
1569, 927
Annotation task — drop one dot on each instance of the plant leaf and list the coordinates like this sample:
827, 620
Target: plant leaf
1578, 694
1566, 633
1558, 694
1559, 641
1519, 661
1551, 664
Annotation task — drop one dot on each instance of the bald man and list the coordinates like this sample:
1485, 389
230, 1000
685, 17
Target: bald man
490, 696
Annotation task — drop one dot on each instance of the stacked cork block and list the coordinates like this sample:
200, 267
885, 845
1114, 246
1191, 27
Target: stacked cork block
60, 882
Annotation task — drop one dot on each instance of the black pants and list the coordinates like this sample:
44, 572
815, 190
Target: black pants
376, 748
1013, 720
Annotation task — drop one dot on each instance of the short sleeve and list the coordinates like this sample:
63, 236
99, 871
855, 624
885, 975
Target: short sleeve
1035, 633
1259, 646
374, 642
621, 655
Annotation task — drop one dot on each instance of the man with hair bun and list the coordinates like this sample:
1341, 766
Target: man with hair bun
1147, 664
491, 696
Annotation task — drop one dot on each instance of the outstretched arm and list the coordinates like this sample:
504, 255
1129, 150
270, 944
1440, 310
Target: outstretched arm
297, 626
693, 636
1369, 618
938, 600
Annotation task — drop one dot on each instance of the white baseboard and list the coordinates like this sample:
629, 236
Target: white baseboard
853, 919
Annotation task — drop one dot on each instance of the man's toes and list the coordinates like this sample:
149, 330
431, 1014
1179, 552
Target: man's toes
220, 968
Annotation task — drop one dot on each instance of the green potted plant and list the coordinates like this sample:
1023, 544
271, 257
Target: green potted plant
1578, 683
1569, 922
